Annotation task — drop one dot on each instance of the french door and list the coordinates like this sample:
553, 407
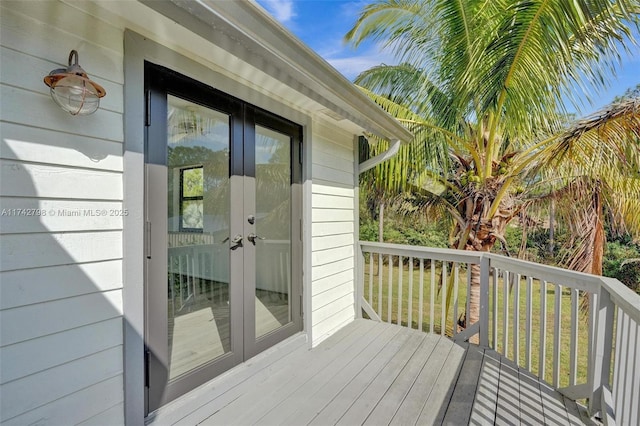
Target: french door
223, 201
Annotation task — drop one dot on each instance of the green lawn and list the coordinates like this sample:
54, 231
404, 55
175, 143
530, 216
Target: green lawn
427, 320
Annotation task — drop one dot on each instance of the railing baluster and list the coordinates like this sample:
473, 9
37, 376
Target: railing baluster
371, 278
433, 296
634, 382
557, 334
505, 313
619, 366
468, 304
573, 350
494, 320
400, 268
529, 322
390, 289
593, 304
380, 265
421, 294
543, 330
456, 272
410, 296
443, 291
516, 320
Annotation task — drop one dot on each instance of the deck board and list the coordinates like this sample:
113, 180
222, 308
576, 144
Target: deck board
484, 405
373, 373
508, 405
530, 398
413, 404
433, 409
343, 401
253, 403
362, 408
386, 409
311, 399
459, 409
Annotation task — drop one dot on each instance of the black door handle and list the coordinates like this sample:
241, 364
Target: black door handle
253, 237
236, 242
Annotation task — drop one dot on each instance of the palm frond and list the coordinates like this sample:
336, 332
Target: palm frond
528, 44
405, 26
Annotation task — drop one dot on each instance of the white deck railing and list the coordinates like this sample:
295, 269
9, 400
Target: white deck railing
588, 349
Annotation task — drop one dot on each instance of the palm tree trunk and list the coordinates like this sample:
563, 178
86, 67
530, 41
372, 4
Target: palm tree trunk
599, 237
474, 300
552, 226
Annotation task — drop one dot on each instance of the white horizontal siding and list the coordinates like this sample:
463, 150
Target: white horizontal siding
326, 328
111, 416
23, 359
332, 295
59, 215
332, 233
59, 315
320, 229
30, 286
21, 179
331, 308
332, 215
34, 145
331, 281
61, 188
38, 109
335, 240
75, 407
333, 268
49, 30
24, 251
332, 255
20, 396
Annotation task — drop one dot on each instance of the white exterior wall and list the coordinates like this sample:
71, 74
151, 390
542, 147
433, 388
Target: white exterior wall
333, 228
61, 274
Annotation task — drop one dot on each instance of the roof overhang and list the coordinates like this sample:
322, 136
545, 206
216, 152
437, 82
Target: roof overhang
270, 47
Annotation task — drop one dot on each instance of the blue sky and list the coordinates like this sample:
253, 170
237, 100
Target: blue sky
322, 24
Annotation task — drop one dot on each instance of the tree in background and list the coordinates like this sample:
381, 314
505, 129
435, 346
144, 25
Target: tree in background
484, 88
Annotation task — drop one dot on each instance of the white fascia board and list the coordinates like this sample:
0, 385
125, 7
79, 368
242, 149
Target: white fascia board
269, 46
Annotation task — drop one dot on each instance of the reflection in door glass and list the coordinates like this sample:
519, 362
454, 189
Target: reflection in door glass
273, 228
198, 216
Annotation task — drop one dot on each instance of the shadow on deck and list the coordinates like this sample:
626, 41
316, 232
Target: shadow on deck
374, 373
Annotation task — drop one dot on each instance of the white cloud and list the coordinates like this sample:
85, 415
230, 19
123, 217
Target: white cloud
351, 66
282, 10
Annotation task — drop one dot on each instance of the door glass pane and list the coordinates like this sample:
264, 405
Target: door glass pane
198, 216
273, 227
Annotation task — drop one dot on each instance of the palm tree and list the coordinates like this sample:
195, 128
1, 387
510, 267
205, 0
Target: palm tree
485, 88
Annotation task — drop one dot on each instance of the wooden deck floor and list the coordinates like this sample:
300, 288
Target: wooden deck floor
378, 374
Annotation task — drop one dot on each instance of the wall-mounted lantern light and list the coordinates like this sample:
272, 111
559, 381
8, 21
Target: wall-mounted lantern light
72, 89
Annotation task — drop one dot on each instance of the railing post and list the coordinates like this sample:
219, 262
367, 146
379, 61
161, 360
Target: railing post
485, 266
602, 348
359, 280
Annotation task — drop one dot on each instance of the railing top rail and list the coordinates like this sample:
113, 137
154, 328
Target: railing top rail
621, 295
565, 277
625, 298
460, 256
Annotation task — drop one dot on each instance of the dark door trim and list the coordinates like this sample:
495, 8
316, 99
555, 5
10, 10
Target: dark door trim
160, 82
